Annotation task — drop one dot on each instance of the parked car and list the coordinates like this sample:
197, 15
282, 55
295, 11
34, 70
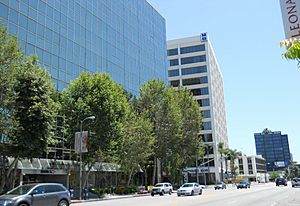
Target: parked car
50, 194
296, 182
243, 185
189, 189
162, 188
202, 186
220, 185
281, 181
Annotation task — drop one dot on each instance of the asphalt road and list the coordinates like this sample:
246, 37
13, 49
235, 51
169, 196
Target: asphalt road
258, 195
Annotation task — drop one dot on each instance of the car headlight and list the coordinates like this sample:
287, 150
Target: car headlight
7, 202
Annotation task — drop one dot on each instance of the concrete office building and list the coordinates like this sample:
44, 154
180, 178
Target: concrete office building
274, 147
252, 168
193, 64
126, 39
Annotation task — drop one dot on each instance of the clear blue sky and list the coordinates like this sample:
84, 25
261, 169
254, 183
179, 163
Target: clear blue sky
262, 90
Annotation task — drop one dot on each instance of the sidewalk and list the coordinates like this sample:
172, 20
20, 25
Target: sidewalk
110, 197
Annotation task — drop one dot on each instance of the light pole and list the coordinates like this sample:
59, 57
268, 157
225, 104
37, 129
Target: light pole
80, 155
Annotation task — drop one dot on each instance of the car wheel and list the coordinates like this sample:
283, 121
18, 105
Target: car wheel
192, 193
63, 203
162, 193
293, 185
178, 195
200, 193
152, 194
170, 192
23, 204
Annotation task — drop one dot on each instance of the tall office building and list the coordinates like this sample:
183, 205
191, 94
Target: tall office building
193, 64
274, 147
125, 38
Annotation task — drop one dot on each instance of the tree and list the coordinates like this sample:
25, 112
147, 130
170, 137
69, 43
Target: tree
293, 49
233, 155
26, 109
11, 58
191, 147
222, 152
274, 175
137, 144
98, 95
34, 110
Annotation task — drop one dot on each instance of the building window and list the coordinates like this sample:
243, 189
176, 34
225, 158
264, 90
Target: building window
193, 81
172, 52
203, 102
174, 62
194, 70
195, 59
206, 126
191, 49
206, 113
175, 83
173, 73
206, 137
201, 91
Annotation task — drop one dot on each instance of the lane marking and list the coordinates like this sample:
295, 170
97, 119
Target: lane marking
232, 202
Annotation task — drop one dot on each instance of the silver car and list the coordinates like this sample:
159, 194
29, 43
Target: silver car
189, 189
296, 182
43, 194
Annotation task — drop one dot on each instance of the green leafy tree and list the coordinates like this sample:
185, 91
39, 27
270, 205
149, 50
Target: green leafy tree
100, 96
274, 175
11, 58
190, 147
137, 144
292, 49
222, 150
34, 110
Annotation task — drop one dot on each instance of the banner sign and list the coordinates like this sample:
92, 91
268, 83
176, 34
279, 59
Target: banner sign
290, 10
84, 142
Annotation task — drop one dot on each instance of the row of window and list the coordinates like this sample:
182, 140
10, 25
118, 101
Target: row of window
185, 50
187, 71
200, 91
188, 60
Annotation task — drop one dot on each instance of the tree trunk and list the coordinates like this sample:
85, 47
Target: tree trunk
154, 171
87, 175
7, 173
129, 178
222, 172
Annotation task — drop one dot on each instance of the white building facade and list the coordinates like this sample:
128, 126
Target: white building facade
252, 168
193, 64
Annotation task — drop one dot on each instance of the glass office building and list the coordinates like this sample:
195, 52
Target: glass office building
274, 147
124, 38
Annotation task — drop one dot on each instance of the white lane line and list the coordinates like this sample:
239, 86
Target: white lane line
232, 202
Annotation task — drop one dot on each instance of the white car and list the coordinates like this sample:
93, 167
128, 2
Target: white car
189, 189
162, 188
296, 182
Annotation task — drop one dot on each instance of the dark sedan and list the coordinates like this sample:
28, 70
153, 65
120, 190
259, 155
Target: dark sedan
243, 185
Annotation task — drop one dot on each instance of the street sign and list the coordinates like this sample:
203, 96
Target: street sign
290, 10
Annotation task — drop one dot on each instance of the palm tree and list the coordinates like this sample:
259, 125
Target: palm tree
233, 155
222, 151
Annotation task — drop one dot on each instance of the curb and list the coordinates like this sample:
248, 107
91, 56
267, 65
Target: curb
109, 198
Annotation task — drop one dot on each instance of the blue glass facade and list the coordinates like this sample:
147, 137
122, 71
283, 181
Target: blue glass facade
274, 147
124, 38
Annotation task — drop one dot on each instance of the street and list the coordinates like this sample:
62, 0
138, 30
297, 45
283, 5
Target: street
258, 195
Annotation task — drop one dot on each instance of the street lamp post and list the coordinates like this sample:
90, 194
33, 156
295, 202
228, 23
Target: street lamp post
80, 155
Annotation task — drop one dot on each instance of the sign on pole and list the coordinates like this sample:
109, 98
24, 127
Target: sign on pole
84, 142
290, 10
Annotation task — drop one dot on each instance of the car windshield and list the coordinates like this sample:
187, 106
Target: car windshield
21, 190
187, 185
159, 185
219, 183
